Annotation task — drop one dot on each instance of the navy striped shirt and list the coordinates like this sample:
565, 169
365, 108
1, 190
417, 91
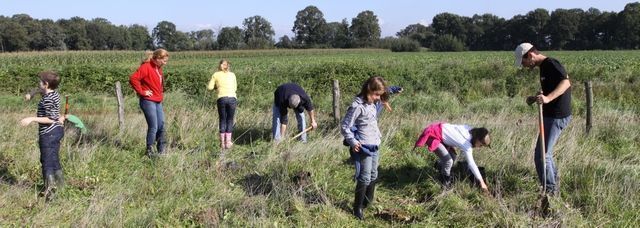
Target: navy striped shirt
49, 107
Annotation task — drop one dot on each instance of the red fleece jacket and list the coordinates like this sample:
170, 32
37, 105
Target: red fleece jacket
148, 77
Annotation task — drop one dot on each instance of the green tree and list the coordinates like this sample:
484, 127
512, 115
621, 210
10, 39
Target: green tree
98, 32
448, 23
493, 32
606, 26
473, 32
204, 39
33, 28
258, 33
14, 37
230, 38
532, 27
338, 34
365, 29
182, 42
140, 38
535, 24
51, 36
587, 36
118, 38
310, 27
563, 26
418, 32
75, 33
163, 35
628, 29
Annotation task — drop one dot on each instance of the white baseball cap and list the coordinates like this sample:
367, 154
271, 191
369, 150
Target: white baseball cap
521, 50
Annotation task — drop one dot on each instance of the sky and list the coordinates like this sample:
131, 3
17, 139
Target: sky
192, 15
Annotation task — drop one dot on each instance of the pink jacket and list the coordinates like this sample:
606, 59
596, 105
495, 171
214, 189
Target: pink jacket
432, 134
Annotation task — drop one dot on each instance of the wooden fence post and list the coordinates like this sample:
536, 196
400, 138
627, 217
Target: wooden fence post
336, 101
120, 106
589, 95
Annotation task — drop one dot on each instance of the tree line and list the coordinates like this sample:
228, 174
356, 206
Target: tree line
562, 29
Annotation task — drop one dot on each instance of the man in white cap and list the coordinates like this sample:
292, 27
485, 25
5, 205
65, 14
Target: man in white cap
556, 100
291, 95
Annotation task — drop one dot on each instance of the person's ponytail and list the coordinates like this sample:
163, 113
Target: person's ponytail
148, 55
157, 54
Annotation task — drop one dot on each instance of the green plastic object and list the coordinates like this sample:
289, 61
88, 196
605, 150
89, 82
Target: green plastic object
77, 123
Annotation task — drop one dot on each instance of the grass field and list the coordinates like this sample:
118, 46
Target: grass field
111, 183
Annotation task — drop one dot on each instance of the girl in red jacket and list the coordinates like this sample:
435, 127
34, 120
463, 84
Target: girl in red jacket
148, 83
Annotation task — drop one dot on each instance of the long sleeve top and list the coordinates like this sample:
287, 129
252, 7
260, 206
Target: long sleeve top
225, 84
148, 77
364, 117
459, 136
281, 100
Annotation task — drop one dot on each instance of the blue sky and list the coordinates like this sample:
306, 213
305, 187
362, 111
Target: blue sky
195, 15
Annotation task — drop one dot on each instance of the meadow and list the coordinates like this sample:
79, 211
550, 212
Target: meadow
111, 183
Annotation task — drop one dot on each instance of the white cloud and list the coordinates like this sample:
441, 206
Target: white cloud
424, 22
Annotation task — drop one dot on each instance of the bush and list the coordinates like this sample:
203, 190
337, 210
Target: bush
399, 44
259, 43
447, 43
405, 45
285, 42
386, 43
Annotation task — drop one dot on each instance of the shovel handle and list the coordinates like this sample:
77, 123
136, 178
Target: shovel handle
542, 146
66, 104
299, 134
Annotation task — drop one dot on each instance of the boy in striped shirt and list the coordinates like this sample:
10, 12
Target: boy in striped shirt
50, 132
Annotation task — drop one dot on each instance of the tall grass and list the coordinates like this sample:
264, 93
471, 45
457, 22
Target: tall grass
111, 183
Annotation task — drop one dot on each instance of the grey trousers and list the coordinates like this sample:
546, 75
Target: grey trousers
446, 159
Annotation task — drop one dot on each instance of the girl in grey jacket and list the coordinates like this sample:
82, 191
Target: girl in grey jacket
365, 141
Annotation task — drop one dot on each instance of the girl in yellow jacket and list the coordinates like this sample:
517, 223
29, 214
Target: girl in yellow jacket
224, 81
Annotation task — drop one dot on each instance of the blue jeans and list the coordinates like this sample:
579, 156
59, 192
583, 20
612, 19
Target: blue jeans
49, 144
275, 124
369, 169
154, 115
552, 129
226, 112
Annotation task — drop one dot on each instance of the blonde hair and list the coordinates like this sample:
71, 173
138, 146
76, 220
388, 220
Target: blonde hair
222, 61
157, 54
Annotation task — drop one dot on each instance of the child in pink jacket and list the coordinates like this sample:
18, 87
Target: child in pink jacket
440, 138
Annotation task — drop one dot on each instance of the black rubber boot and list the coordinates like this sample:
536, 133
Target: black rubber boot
149, 152
161, 148
446, 181
360, 194
59, 176
49, 189
371, 189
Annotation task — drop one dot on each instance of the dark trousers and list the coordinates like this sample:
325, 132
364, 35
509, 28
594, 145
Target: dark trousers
49, 144
226, 112
154, 115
